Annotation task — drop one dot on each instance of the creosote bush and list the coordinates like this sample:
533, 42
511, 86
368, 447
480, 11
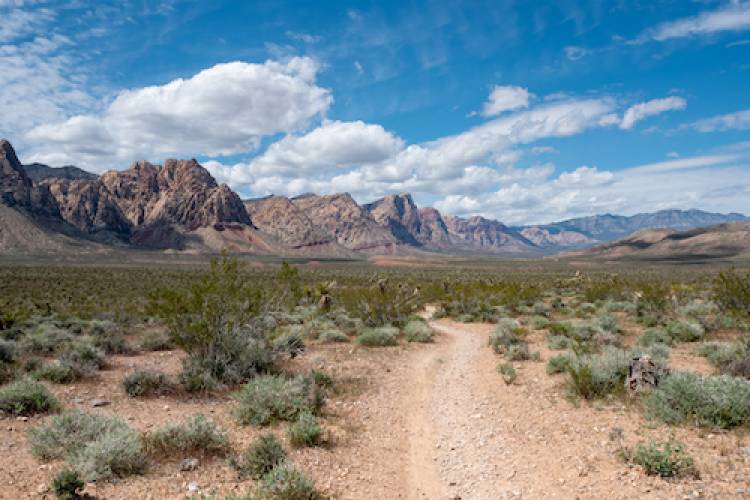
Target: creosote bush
147, 383
261, 457
286, 482
96, 446
667, 459
156, 340
418, 331
305, 431
272, 397
685, 330
67, 485
715, 401
378, 336
26, 397
196, 435
508, 373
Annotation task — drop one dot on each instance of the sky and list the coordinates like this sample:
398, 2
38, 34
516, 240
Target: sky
526, 112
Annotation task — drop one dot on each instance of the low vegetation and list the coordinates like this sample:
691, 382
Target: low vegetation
261, 457
195, 436
667, 459
26, 397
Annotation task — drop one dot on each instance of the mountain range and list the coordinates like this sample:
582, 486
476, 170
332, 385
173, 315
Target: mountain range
179, 206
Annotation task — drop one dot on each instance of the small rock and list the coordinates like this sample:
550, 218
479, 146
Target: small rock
42, 489
745, 451
99, 402
193, 488
22, 419
189, 464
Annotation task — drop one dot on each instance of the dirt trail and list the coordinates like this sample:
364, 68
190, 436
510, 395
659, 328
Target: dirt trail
452, 454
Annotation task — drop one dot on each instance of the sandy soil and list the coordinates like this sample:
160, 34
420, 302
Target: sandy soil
428, 421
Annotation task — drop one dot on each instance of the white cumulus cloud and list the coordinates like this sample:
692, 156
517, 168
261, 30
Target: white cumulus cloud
222, 110
734, 16
505, 98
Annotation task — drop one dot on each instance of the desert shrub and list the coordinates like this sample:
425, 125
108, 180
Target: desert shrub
215, 323
520, 352
67, 485
45, 339
667, 459
658, 352
332, 335
653, 336
7, 352
112, 343
261, 457
83, 356
380, 305
606, 288
271, 397
147, 383
650, 320
508, 332
558, 342
26, 397
698, 308
731, 293
721, 354
539, 309
291, 343
585, 309
652, 298
285, 482
156, 340
378, 336
715, 401
195, 378
305, 431
538, 322
685, 330
739, 367
346, 324
507, 371
558, 328
558, 364
593, 376
196, 435
418, 331
58, 372
608, 323
96, 446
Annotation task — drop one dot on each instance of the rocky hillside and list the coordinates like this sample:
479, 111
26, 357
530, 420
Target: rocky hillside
144, 206
719, 241
38, 172
612, 227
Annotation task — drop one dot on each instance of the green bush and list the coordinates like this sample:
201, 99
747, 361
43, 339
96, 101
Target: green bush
216, 322
715, 401
608, 323
558, 342
538, 322
285, 482
96, 446
378, 336
196, 435
731, 292
592, 376
418, 331
653, 336
558, 364
507, 333
305, 431
667, 459
147, 383
722, 354
67, 484
271, 397
332, 335
261, 457
26, 397
156, 340
46, 339
508, 372
685, 330
83, 356
58, 372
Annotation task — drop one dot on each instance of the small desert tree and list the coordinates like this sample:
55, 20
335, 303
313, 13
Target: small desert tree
214, 322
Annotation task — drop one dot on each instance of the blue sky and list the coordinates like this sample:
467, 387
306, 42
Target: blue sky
522, 111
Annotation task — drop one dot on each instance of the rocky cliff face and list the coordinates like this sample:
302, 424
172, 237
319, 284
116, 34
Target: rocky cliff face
349, 223
551, 239
485, 235
409, 224
279, 217
17, 190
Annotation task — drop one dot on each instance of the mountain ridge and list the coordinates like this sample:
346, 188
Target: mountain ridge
179, 205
